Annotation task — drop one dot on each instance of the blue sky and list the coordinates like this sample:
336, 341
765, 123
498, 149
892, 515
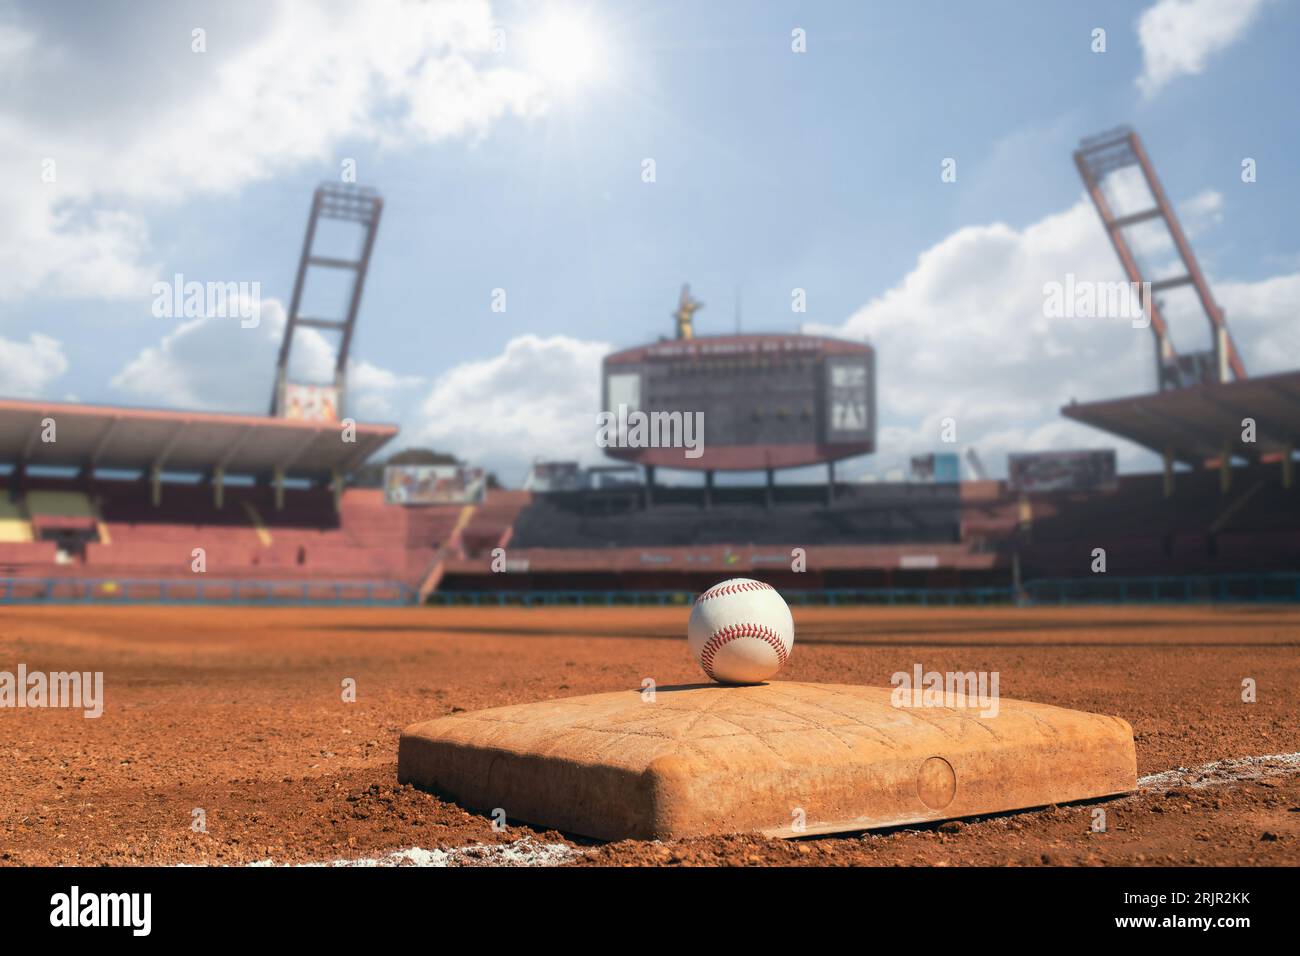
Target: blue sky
775, 170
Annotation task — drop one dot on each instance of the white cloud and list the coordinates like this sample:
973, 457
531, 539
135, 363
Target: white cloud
963, 335
1201, 212
27, 368
98, 255
213, 363
216, 364
537, 399
15, 45
131, 116
1179, 36
1151, 243
1262, 318
374, 390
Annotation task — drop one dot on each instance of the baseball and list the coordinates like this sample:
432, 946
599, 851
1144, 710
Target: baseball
741, 631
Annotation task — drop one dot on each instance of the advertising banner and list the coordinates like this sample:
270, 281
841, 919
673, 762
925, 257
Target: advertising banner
311, 403
1062, 470
434, 485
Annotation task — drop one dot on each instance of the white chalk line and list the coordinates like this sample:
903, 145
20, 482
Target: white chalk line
527, 851
1221, 772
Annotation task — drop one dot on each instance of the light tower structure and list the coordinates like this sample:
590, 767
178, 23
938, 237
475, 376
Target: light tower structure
1098, 158
346, 203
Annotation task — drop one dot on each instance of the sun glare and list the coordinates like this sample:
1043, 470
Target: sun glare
566, 50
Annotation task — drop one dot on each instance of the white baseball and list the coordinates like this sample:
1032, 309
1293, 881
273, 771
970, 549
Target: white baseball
741, 631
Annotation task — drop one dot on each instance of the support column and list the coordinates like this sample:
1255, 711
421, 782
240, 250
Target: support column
336, 482
1169, 473
767, 489
277, 481
155, 485
830, 482
1225, 469
708, 489
17, 481
219, 487
649, 486
1017, 587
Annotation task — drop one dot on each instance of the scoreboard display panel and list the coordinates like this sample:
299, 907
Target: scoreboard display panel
761, 401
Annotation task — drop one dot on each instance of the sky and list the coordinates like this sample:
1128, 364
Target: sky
794, 147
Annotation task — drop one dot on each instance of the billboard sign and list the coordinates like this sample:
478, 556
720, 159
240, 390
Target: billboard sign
848, 399
941, 468
1092, 470
434, 485
311, 403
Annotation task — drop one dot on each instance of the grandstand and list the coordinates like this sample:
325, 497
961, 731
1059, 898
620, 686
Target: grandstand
108, 531
132, 493
894, 536
115, 507
1198, 529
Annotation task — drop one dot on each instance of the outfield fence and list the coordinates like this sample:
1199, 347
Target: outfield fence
1276, 588
836, 596
191, 591
1280, 588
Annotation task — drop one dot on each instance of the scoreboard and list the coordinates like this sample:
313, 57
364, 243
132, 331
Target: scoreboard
763, 401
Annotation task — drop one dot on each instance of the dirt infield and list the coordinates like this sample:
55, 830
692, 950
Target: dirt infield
239, 714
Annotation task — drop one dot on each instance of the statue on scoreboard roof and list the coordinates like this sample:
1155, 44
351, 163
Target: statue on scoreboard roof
685, 314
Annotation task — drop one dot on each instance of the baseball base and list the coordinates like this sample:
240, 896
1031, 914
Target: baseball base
784, 758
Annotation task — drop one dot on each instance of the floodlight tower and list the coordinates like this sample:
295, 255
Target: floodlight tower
1099, 156
348, 203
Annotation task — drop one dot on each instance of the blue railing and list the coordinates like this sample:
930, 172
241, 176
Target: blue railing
1272, 588
839, 596
263, 593
1280, 588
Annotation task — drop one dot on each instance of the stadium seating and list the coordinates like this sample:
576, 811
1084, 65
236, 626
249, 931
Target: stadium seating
123, 534
19, 558
1254, 526
15, 526
859, 514
883, 534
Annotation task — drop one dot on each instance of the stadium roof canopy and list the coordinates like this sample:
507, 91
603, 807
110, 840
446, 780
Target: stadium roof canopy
100, 436
1194, 425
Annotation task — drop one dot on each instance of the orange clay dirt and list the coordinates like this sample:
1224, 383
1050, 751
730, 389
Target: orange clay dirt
238, 713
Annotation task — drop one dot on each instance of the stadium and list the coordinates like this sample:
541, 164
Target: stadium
376, 606
116, 504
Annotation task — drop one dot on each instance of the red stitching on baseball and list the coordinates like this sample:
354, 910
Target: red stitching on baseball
725, 635
720, 589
